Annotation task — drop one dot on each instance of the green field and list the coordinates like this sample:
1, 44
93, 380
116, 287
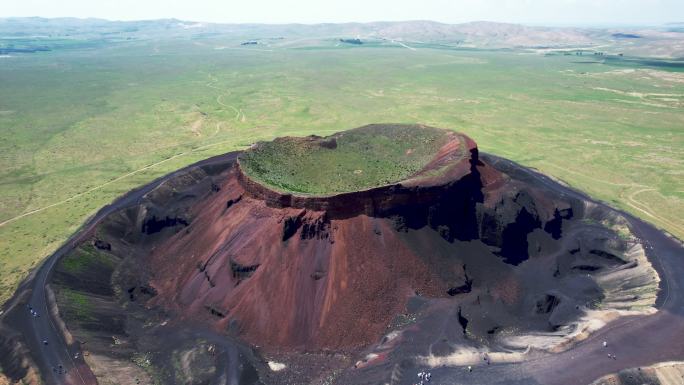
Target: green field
359, 159
81, 126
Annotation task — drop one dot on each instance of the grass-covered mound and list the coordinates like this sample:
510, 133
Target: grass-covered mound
358, 159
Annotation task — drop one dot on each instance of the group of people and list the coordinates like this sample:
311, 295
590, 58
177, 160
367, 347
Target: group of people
424, 377
59, 370
605, 344
32, 311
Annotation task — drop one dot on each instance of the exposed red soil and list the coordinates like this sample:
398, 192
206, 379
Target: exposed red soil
321, 273
352, 273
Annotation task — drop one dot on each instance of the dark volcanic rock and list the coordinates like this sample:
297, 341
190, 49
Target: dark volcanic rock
154, 225
294, 272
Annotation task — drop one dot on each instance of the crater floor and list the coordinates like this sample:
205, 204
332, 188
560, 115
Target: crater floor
353, 160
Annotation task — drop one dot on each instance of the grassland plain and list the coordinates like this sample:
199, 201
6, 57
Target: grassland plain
80, 127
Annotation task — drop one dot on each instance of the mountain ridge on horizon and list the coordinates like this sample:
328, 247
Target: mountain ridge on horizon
665, 41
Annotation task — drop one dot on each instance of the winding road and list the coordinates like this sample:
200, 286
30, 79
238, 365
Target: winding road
37, 330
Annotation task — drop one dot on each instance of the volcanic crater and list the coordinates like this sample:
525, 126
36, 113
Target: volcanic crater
370, 243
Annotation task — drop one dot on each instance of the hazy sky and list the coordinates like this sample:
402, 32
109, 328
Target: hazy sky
549, 12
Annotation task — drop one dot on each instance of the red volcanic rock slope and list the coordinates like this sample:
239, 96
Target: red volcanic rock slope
333, 284
304, 272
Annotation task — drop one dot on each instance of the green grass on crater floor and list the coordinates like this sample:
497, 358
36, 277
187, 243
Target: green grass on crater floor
80, 127
363, 158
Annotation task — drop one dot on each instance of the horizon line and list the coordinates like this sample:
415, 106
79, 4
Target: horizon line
529, 23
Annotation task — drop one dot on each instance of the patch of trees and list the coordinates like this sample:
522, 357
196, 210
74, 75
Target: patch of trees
626, 36
352, 41
10, 49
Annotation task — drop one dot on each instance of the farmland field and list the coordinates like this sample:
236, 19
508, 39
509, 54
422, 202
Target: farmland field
80, 127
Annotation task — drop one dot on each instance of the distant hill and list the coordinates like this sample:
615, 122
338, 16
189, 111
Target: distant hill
666, 41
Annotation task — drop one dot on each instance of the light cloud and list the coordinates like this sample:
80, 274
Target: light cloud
314, 11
